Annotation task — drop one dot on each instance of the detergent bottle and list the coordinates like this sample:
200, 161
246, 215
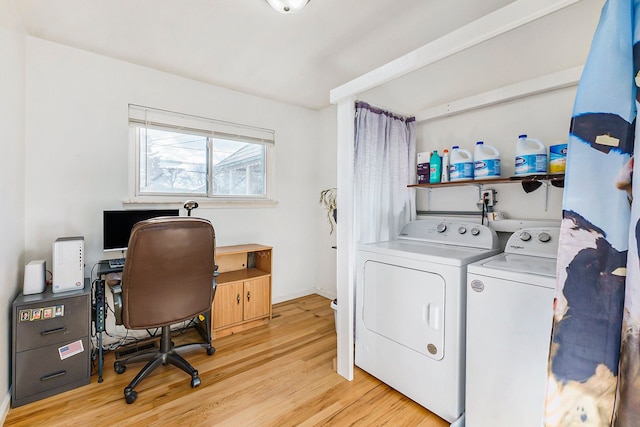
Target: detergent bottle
435, 167
445, 166
460, 164
487, 162
557, 158
423, 168
531, 156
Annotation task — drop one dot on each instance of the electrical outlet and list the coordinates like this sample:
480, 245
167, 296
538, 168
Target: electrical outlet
490, 196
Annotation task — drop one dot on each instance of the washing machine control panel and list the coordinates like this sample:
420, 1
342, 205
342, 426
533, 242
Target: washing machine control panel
450, 232
534, 241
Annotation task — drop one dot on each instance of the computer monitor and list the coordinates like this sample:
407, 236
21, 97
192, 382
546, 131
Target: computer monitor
117, 225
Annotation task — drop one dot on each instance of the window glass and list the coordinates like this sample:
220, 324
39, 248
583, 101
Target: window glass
238, 168
177, 155
172, 162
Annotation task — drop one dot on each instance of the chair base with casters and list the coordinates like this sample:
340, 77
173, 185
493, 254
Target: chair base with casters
167, 354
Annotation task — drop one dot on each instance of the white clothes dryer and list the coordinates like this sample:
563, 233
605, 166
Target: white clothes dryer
410, 310
509, 317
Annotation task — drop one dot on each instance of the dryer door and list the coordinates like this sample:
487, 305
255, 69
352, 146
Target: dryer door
405, 305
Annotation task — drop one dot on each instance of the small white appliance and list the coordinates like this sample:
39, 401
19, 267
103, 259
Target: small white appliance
410, 310
68, 264
509, 318
34, 277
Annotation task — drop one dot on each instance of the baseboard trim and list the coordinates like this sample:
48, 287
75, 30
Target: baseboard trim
6, 405
326, 294
289, 297
304, 293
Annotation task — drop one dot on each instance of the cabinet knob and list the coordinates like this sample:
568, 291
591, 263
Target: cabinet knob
238, 298
248, 296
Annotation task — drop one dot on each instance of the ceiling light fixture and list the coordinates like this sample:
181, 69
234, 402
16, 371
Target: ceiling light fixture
288, 6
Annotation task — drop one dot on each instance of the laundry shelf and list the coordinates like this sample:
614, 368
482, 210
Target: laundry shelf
529, 183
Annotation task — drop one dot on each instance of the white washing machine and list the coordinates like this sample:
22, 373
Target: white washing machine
509, 318
410, 310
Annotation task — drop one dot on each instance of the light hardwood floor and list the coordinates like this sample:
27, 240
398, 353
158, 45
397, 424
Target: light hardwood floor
275, 375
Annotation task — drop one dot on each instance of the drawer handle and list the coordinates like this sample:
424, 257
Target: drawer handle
54, 375
54, 331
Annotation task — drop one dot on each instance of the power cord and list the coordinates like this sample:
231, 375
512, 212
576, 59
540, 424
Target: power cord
485, 203
50, 281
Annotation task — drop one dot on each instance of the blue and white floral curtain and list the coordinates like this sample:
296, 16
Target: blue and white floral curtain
594, 367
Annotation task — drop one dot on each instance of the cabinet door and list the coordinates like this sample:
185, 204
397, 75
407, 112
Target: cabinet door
227, 305
257, 294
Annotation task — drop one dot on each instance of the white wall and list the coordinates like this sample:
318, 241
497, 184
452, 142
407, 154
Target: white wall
546, 117
12, 186
77, 148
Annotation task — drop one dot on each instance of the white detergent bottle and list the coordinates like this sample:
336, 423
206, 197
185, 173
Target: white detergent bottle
486, 163
531, 156
445, 166
460, 164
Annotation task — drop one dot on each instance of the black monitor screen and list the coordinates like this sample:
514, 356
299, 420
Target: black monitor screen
117, 225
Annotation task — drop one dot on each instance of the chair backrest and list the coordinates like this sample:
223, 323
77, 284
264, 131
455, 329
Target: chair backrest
168, 272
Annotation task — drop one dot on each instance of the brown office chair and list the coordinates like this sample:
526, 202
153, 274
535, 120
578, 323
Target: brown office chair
168, 277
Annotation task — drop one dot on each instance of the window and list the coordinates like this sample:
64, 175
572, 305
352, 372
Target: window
181, 155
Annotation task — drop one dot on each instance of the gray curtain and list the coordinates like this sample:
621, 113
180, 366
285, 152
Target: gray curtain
385, 150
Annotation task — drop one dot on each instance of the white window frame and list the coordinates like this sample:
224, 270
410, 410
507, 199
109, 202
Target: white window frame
177, 122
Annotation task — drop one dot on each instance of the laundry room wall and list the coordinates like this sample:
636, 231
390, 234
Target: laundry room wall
544, 116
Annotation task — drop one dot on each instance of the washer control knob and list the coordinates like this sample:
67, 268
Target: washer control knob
462, 230
475, 231
525, 236
442, 227
544, 237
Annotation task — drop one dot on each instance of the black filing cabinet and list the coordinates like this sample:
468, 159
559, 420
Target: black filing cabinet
51, 347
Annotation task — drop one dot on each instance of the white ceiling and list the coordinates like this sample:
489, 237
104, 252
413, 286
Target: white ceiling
247, 46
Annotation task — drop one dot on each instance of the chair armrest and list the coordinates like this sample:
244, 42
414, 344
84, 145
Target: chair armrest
116, 291
215, 279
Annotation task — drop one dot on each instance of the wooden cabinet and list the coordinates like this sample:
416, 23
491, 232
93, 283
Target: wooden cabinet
243, 296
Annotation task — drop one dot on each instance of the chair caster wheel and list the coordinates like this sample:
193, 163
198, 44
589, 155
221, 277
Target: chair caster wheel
120, 369
130, 396
211, 350
195, 382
